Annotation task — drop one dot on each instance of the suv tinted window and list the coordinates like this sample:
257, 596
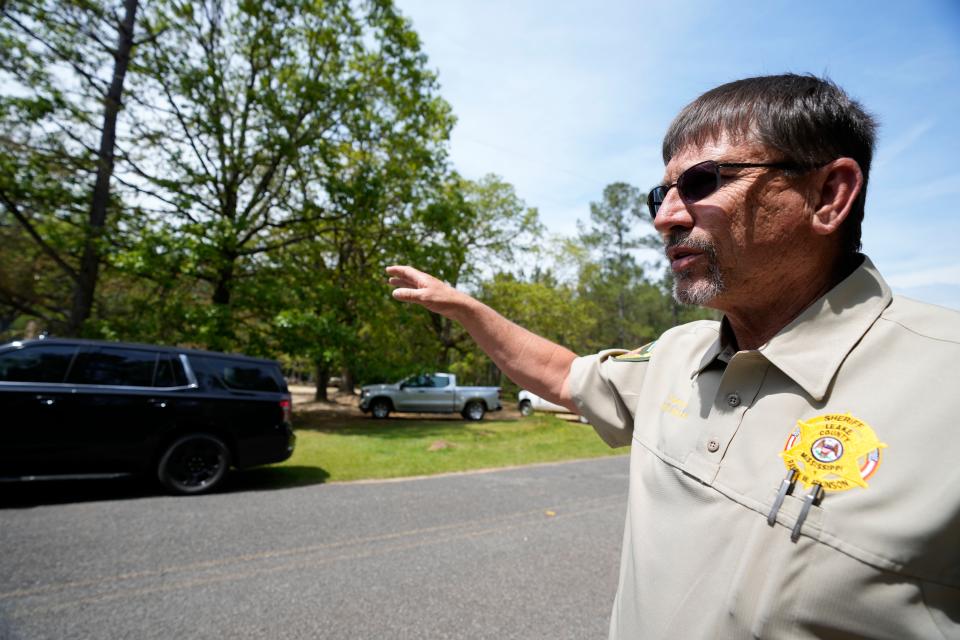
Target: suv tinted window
47, 363
248, 378
169, 373
234, 374
110, 366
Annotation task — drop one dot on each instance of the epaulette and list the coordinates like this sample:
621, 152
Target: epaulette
637, 355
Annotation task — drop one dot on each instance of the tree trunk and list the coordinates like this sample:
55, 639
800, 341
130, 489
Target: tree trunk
223, 335
443, 327
494, 375
346, 381
222, 290
323, 375
621, 319
88, 272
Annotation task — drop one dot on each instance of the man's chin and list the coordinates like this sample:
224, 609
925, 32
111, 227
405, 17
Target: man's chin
696, 291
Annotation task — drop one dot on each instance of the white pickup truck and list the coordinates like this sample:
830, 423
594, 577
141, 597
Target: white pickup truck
529, 402
429, 393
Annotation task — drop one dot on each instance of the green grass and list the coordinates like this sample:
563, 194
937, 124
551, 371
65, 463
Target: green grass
354, 449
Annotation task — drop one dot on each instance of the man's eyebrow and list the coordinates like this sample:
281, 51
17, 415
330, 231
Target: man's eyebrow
666, 179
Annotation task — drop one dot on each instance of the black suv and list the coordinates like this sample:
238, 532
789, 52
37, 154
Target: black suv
84, 408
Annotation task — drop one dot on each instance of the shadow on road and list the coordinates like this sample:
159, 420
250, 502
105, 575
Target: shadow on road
19, 495
264, 478
50, 492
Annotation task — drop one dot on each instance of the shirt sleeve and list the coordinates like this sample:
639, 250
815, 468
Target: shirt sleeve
606, 391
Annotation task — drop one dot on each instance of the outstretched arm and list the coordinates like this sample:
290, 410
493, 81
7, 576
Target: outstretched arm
532, 362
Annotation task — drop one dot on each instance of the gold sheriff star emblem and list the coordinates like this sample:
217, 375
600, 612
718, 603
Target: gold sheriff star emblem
836, 451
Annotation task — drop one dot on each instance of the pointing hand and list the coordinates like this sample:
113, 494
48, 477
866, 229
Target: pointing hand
421, 288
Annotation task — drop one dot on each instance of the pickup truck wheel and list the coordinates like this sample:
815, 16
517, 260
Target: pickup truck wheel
474, 410
526, 408
195, 463
380, 409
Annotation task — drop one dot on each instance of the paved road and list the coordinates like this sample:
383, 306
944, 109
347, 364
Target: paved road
520, 553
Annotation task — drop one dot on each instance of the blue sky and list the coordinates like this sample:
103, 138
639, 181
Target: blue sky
562, 98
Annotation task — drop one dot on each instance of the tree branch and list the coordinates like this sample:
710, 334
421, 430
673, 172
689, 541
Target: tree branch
31, 230
95, 82
11, 299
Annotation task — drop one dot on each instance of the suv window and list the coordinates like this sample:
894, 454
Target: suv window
48, 363
248, 378
118, 367
235, 374
169, 372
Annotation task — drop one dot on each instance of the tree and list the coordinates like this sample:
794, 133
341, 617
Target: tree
616, 283
373, 183
541, 303
258, 109
466, 229
66, 65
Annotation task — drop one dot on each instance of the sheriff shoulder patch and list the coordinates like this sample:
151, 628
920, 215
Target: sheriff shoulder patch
637, 355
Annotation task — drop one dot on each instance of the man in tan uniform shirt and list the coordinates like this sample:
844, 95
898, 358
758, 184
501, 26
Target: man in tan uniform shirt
795, 468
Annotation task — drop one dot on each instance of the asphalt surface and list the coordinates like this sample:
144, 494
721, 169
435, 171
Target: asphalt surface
522, 553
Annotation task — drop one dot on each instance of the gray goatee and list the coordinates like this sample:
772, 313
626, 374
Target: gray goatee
688, 289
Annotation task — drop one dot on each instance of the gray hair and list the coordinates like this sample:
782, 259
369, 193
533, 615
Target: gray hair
808, 119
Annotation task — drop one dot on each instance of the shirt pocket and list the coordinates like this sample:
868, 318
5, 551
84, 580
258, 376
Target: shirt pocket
668, 422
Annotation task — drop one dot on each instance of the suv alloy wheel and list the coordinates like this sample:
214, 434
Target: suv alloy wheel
195, 463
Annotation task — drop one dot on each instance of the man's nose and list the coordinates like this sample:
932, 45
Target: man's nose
672, 214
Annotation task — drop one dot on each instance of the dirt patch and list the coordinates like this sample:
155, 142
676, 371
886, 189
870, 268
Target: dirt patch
339, 410
338, 403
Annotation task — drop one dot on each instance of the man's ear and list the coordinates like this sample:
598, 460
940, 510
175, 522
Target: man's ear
841, 181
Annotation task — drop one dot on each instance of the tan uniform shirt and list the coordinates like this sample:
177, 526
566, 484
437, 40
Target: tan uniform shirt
860, 393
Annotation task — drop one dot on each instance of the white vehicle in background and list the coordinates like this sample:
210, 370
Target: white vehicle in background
529, 402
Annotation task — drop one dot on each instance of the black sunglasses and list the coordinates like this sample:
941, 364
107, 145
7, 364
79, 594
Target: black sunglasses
703, 178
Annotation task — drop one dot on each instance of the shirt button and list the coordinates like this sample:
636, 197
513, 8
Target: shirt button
733, 399
713, 445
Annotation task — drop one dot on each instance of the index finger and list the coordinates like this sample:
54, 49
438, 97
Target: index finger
403, 273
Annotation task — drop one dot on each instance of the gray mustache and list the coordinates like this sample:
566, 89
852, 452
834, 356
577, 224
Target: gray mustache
684, 240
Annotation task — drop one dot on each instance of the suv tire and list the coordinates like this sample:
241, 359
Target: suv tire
194, 463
